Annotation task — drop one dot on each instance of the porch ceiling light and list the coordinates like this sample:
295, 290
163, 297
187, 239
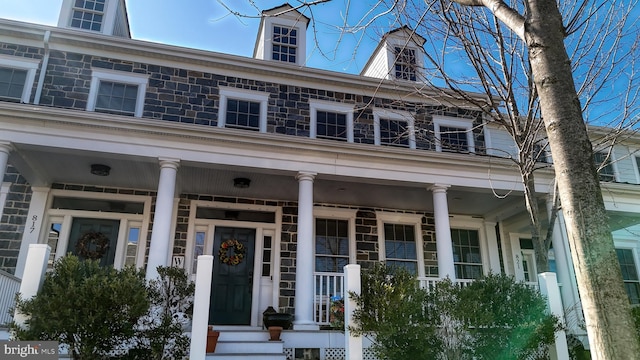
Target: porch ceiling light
241, 183
100, 169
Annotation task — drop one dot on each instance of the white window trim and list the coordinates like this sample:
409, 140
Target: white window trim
469, 223
629, 245
108, 15
466, 124
393, 115
301, 52
612, 161
315, 106
246, 95
402, 219
30, 65
339, 214
392, 44
118, 77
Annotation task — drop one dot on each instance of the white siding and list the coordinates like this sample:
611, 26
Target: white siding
501, 143
624, 165
379, 66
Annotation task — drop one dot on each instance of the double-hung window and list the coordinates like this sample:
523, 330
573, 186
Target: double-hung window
400, 241
454, 135
467, 258
405, 64
334, 229
629, 274
88, 14
604, 166
285, 44
243, 109
16, 78
117, 92
394, 129
331, 121
332, 244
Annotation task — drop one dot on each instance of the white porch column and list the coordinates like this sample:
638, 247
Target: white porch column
162, 220
564, 266
36, 262
443, 232
198, 347
304, 254
549, 288
5, 150
33, 227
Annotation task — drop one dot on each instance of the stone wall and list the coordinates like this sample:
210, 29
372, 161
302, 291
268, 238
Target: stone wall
13, 219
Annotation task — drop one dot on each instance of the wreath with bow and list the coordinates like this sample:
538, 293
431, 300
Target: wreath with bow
238, 252
92, 245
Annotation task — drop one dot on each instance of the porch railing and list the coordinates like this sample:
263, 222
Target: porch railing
327, 286
331, 285
430, 282
9, 286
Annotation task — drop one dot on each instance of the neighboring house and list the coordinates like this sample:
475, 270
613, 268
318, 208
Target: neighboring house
172, 152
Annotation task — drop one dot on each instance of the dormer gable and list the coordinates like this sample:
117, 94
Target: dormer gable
398, 56
282, 36
108, 17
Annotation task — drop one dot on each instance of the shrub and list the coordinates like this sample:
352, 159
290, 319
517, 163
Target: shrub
398, 314
161, 332
90, 309
492, 318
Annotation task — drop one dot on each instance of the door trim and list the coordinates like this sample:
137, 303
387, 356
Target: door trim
65, 217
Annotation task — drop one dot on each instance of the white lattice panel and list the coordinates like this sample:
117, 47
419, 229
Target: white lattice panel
334, 354
367, 354
288, 352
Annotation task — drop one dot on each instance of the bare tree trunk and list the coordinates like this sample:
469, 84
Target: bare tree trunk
605, 303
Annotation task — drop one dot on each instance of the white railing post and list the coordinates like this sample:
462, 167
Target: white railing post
36, 261
352, 284
201, 301
550, 289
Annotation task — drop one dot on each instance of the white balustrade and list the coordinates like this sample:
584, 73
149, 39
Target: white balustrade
327, 286
9, 286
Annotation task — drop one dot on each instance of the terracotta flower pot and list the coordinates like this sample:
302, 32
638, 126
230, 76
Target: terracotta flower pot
274, 333
212, 339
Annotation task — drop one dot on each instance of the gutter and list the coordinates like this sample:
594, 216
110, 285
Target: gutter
43, 68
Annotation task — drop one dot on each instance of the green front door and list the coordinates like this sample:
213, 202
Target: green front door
94, 238
232, 280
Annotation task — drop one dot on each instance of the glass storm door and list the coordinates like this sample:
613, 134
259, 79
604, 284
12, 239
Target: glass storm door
232, 279
94, 238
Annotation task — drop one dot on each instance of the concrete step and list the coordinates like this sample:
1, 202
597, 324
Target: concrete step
247, 343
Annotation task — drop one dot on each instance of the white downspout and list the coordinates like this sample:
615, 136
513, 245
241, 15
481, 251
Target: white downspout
43, 68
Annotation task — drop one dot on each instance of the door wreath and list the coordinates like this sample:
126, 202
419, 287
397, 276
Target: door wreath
238, 252
92, 245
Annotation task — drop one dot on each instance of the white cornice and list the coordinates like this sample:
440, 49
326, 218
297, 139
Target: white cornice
28, 125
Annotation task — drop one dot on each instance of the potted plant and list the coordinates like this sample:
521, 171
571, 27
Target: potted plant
271, 317
336, 313
212, 339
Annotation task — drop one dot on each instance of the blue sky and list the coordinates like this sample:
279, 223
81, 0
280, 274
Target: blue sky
207, 25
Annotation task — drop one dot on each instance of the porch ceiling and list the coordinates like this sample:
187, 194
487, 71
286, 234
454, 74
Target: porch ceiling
44, 166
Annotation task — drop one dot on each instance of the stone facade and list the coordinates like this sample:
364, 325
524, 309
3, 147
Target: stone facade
14, 218
192, 97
